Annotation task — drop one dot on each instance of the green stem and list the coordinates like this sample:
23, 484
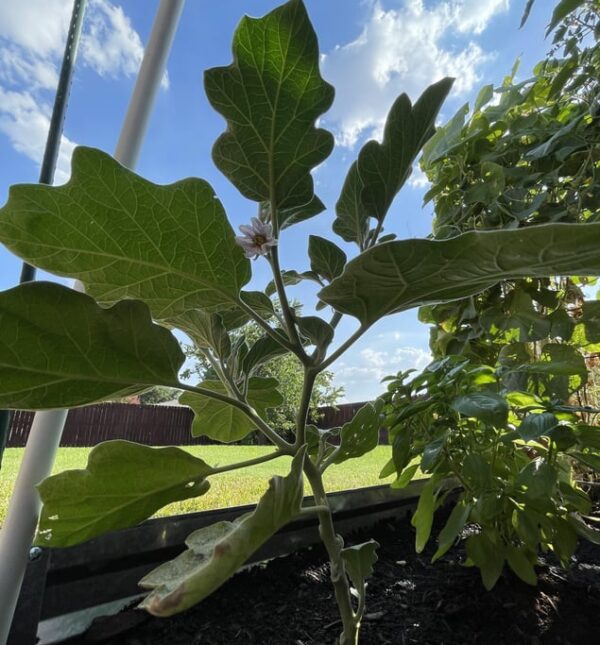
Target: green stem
290, 325
261, 322
343, 347
333, 544
264, 427
249, 462
307, 388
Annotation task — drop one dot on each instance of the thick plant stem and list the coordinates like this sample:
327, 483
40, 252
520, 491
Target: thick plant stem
333, 544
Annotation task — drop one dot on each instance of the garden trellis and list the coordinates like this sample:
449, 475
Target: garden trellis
17, 533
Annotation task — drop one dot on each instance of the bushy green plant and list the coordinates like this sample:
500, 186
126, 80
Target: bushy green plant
511, 452
156, 257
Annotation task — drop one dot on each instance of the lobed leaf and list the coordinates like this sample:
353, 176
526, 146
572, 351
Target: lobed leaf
359, 560
124, 237
122, 484
58, 348
384, 167
361, 434
396, 276
271, 96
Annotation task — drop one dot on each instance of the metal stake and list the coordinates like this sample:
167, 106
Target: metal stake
44, 438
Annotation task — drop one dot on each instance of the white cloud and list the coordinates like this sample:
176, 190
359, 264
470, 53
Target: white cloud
32, 41
404, 50
361, 376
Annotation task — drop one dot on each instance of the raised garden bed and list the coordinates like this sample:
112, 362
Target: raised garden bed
289, 602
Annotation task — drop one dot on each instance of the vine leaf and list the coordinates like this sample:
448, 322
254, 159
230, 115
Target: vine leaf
124, 237
384, 167
224, 422
396, 276
216, 552
271, 96
122, 484
58, 348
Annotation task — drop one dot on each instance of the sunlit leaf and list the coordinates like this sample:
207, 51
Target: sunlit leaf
124, 237
271, 96
396, 276
122, 484
58, 348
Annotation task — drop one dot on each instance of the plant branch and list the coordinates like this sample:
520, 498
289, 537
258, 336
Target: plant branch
307, 389
334, 545
343, 347
290, 325
249, 462
261, 322
264, 427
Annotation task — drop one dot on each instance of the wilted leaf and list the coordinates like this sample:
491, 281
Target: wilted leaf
216, 552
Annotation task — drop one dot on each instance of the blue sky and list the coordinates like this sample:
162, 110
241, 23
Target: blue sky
371, 52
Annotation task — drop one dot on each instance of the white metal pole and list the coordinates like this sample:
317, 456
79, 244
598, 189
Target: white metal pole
44, 438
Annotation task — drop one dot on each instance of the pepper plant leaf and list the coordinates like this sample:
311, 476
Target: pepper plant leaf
224, 422
216, 552
122, 484
271, 96
396, 276
124, 237
384, 167
58, 348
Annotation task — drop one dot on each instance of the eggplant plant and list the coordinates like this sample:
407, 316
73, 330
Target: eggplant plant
153, 258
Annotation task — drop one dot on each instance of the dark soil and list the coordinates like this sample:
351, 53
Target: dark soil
290, 602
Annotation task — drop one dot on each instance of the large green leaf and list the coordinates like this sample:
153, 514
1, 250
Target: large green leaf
216, 552
224, 422
352, 221
453, 528
384, 167
488, 556
263, 350
122, 484
124, 237
361, 434
534, 425
271, 96
422, 518
395, 276
296, 214
58, 348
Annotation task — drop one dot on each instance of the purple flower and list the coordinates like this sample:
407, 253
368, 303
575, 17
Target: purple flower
257, 239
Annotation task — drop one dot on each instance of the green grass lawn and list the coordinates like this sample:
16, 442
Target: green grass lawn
227, 489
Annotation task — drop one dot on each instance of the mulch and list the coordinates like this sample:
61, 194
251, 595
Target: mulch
289, 601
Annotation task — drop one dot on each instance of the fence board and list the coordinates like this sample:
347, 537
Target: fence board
154, 425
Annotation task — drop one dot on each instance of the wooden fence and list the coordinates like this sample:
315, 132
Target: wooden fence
155, 425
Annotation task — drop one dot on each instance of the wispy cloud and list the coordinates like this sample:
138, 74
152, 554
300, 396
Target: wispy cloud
404, 49
361, 374
32, 40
